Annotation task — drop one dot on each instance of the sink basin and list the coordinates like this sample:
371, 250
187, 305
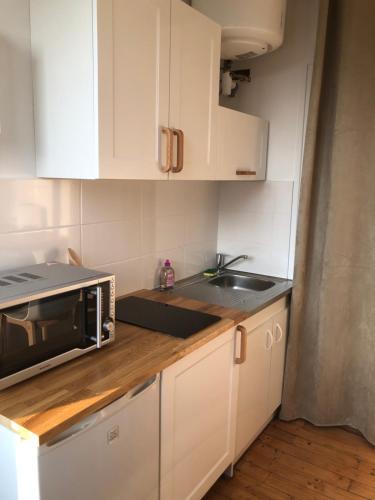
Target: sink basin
238, 282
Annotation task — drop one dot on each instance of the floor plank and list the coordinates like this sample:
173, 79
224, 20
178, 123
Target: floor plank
333, 455
330, 437
298, 461
303, 467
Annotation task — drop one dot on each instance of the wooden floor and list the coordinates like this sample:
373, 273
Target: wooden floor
299, 461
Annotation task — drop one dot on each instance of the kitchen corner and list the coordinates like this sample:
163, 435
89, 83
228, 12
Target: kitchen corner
182, 316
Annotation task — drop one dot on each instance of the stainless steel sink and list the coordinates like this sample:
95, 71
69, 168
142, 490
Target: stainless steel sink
233, 289
238, 282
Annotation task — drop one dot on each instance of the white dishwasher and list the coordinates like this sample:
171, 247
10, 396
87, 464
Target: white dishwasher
111, 455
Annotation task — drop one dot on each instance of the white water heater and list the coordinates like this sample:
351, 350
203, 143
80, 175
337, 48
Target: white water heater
250, 28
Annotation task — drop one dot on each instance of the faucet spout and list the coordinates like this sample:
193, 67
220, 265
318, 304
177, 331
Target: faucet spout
222, 265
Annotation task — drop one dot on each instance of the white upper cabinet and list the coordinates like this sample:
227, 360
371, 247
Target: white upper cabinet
252, 410
122, 87
64, 83
133, 90
101, 86
242, 146
17, 157
194, 90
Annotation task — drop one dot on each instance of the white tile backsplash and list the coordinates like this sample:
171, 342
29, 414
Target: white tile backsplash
255, 218
105, 201
109, 242
130, 227
245, 227
198, 256
125, 227
34, 247
30, 205
163, 232
165, 198
129, 275
200, 226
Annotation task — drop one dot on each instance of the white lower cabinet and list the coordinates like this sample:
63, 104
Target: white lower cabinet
252, 406
261, 374
198, 405
215, 401
275, 388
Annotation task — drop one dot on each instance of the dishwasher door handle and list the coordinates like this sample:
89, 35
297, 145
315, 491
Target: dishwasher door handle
141, 388
72, 432
75, 430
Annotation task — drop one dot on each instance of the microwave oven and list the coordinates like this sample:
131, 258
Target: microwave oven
49, 314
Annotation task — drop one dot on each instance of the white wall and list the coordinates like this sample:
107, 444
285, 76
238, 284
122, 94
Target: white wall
279, 92
126, 227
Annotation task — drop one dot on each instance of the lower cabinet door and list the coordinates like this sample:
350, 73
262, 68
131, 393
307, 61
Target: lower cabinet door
279, 334
198, 401
252, 409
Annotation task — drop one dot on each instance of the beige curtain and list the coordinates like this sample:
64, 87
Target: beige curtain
330, 374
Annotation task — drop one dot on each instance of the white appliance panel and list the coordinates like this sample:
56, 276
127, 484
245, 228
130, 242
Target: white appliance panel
113, 454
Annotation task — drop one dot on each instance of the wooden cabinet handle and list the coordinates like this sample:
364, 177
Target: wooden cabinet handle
245, 172
169, 158
242, 357
180, 151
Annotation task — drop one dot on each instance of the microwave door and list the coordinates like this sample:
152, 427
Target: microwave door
43, 314
28, 327
100, 325
41, 329
94, 314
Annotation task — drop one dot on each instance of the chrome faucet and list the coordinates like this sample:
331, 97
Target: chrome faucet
220, 260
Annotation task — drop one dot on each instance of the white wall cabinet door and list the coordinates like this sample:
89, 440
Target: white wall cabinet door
17, 156
242, 146
101, 87
276, 378
198, 402
252, 406
63, 70
133, 93
194, 84
111, 75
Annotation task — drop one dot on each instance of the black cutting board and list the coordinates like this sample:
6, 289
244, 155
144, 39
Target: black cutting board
163, 318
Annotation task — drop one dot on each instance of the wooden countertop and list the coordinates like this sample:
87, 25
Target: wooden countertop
42, 407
